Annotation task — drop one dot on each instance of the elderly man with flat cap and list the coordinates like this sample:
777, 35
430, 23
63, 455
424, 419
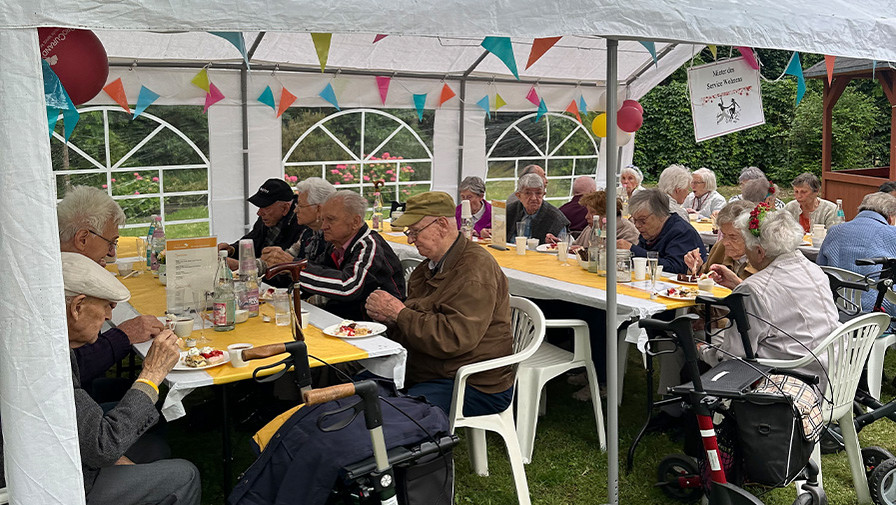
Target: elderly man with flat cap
276, 224
111, 477
457, 311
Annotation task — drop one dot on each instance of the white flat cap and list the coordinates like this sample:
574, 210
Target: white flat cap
83, 276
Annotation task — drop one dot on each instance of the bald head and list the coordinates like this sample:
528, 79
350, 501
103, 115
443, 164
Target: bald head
584, 184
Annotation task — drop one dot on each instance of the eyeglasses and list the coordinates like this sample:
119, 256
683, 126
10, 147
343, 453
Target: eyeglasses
113, 244
697, 183
409, 233
532, 193
640, 221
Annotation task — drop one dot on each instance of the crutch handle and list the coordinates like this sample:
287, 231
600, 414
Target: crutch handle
264, 351
323, 395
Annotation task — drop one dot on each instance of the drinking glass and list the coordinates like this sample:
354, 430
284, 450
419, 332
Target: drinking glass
521, 230
200, 304
653, 260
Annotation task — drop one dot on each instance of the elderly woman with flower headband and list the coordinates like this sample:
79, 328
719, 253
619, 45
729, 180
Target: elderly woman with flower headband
790, 306
807, 207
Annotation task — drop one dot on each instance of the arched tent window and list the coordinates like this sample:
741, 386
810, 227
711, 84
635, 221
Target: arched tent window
149, 165
353, 148
558, 143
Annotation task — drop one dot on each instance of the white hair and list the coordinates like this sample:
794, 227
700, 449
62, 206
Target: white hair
318, 190
709, 179
88, 208
779, 233
353, 202
473, 184
530, 181
652, 200
674, 177
633, 171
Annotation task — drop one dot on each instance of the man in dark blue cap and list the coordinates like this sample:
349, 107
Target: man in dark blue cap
276, 225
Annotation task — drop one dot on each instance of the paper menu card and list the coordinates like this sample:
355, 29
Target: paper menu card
499, 222
190, 265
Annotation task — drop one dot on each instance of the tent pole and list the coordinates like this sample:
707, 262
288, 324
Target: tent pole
462, 117
612, 340
244, 97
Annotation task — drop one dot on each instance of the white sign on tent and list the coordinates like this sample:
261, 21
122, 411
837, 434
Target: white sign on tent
725, 98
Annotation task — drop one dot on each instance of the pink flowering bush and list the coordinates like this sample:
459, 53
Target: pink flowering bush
135, 183
385, 168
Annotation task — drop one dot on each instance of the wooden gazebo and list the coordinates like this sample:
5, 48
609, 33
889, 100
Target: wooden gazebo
851, 185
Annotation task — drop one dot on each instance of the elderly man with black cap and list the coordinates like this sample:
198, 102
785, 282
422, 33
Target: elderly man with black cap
111, 477
457, 311
276, 225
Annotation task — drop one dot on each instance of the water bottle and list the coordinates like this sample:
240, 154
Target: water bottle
224, 302
249, 274
597, 249
466, 216
152, 228
840, 217
157, 244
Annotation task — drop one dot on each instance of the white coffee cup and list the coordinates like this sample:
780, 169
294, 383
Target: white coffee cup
521, 246
236, 354
532, 243
305, 316
182, 326
818, 234
705, 285
640, 268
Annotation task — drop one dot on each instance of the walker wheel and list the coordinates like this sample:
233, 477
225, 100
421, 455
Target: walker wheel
679, 478
812, 495
873, 456
882, 483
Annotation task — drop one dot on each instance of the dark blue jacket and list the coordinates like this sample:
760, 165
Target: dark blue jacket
301, 462
674, 241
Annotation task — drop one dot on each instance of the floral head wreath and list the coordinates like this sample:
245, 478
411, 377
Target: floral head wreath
757, 215
771, 190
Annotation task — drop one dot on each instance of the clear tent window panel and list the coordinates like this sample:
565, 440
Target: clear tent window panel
144, 164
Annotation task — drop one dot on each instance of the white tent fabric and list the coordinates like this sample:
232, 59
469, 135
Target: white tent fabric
36, 398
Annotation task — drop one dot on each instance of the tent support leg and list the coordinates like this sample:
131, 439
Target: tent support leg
612, 343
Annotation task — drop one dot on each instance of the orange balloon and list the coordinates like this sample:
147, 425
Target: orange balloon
599, 125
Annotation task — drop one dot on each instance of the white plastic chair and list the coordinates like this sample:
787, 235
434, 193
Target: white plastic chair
847, 301
408, 265
527, 323
846, 348
548, 362
4, 495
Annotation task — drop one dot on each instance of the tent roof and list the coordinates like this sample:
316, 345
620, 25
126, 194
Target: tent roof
844, 66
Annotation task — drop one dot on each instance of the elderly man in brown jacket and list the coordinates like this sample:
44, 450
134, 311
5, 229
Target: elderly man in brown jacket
457, 311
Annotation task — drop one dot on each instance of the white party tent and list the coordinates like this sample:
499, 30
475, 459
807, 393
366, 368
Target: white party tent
42, 461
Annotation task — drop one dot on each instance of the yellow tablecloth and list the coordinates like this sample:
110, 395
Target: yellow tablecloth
148, 297
705, 227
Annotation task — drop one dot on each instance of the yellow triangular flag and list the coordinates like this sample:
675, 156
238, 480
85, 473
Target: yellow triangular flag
322, 47
201, 80
713, 49
499, 102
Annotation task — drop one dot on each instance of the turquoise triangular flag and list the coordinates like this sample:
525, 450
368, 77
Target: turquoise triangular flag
419, 103
144, 100
583, 107
52, 118
542, 110
873, 68
501, 47
651, 48
235, 38
55, 95
483, 102
795, 69
329, 95
70, 118
267, 98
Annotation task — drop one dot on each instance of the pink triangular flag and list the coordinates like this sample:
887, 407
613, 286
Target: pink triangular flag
447, 94
749, 56
115, 89
383, 84
829, 63
286, 99
379, 37
532, 96
213, 96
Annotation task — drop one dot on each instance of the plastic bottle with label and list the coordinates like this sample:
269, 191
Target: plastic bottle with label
152, 228
839, 217
224, 311
157, 244
249, 275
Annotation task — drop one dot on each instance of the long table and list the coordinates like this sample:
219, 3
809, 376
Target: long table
709, 239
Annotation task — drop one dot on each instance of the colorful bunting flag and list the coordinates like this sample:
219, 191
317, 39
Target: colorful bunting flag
499, 101
322, 47
795, 69
749, 56
829, 64
583, 107
420, 103
52, 118
539, 47
56, 98
572, 108
483, 104
144, 100
286, 99
235, 38
200, 80
714, 50
383, 84
70, 118
379, 37
329, 95
501, 47
651, 48
873, 68
447, 94
213, 96
267, 98
532, 96
115, 89
542, 110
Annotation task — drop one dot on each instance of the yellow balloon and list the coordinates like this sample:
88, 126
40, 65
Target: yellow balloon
599, 125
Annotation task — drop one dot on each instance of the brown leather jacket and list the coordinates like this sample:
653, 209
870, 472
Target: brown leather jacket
456, 316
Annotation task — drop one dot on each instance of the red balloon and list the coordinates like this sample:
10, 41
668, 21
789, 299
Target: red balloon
629, 119
78, 58
633, 103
